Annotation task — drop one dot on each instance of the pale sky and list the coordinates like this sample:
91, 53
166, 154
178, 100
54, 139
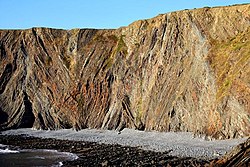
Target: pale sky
68, 14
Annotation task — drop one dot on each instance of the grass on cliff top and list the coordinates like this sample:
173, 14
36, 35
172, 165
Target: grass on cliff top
229, 59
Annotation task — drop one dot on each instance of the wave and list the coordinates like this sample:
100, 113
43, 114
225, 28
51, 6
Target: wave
58, 153
7, 151
73, 156
2, 145
38, 157
68, 154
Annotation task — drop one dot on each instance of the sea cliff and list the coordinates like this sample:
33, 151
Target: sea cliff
181, 71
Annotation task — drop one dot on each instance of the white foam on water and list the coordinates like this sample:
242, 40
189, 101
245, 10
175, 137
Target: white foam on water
70, 156
2, 145
73, 156
58, 165
7, 151
34, 157
38, 157
67, 154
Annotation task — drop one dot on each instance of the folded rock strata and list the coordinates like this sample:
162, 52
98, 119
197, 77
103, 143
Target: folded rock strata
181, 71
238, 157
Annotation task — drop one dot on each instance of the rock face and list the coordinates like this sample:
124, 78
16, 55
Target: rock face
238, 157
181, 71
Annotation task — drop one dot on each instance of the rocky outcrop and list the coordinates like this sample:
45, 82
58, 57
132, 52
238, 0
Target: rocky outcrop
181, 71
238, 157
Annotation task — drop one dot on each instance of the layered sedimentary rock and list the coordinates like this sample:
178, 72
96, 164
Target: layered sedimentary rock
181, 71
238, 157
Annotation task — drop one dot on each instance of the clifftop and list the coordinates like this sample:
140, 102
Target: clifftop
180, 71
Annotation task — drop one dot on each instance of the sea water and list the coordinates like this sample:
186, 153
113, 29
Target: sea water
33, 157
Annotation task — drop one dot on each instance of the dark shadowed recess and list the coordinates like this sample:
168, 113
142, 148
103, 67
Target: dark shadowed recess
28, 118
3, 116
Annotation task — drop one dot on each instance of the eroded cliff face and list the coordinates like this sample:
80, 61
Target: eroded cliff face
181, 71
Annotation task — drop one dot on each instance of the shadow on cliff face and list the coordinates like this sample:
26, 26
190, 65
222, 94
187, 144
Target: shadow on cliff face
3, 117
5, 77
28, 118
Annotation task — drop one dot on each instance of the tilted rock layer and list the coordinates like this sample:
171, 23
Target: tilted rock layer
182, 71
238, 157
